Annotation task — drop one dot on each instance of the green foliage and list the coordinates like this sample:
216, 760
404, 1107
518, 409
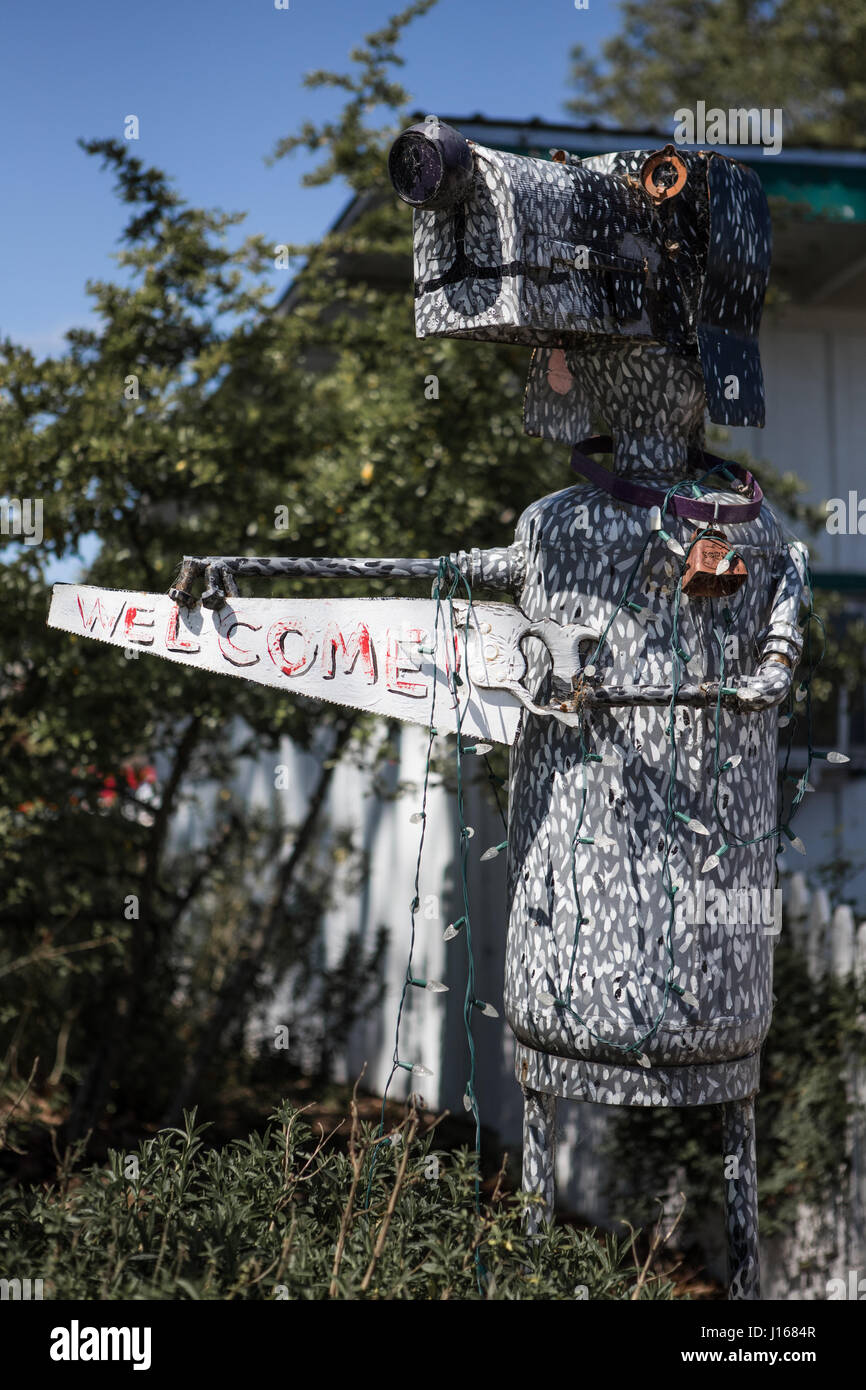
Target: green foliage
803, 1117
808, 60
179, 424
354, 149
264, 1218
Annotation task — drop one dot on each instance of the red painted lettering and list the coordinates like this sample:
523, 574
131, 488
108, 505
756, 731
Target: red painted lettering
132, 620
106, 622
173, 641
358, 645
396, 662
238, 656
277, 634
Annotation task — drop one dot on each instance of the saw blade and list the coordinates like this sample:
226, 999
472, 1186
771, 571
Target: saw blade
394, 657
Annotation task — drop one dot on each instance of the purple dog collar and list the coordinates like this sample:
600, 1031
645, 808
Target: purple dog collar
689, 508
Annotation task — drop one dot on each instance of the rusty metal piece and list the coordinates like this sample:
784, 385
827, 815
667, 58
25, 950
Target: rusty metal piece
182, 589
657, 192
699, 577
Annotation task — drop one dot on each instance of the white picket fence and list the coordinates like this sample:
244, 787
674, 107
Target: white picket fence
830, 1244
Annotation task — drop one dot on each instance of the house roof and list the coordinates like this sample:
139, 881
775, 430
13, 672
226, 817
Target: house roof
819, 253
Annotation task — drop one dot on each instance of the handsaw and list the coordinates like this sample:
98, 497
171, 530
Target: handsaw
394, 657
446, 664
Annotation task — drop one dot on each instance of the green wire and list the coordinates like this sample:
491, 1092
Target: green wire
449, 578
413, 910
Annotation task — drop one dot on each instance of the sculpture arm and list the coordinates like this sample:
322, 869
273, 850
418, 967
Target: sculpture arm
500, 568
782, 641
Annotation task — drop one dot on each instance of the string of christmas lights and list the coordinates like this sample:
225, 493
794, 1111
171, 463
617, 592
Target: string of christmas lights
680, 659
449, 584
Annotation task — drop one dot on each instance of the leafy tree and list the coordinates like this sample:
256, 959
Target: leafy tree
179, 424
809, 60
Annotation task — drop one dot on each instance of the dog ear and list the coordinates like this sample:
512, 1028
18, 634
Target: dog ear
732, 296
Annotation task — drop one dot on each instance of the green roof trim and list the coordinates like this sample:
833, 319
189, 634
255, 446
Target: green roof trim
836, 193
842, 581
830, 193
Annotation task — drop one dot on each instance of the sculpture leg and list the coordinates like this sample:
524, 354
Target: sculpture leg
741, 1199
539, 1154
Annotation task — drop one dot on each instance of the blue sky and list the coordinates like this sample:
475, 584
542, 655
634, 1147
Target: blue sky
214, 85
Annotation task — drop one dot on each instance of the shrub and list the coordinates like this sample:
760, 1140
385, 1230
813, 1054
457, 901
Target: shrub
284, 1214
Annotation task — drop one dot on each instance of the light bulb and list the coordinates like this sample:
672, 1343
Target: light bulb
467, 831
453, 929
436, 987
416, 1068
546, 999
714, 859
733, 761
691, 824
492, 852
480, 749
642, 615
800, 693
589, 670
746, 693
725, 564
688, 998
833, 757
796, 842
642, 1059
417, 817
672, 544
784, 721
487, 1009
467, 1101
655, 519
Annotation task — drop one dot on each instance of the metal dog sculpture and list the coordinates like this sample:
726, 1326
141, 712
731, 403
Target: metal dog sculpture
652, 635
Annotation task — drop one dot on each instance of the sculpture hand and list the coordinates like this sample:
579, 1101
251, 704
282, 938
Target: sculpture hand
769, 685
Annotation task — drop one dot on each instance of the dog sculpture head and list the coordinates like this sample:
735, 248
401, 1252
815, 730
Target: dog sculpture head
572, 256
